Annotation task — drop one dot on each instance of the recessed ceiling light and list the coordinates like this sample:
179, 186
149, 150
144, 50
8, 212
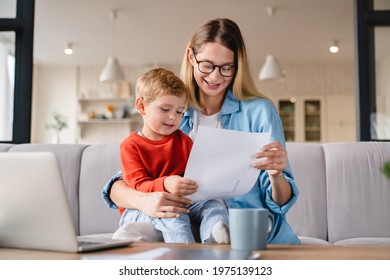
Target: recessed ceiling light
69, 49
334, 47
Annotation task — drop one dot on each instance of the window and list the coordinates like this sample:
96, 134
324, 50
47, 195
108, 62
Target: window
373, 31
7, 81
16, 47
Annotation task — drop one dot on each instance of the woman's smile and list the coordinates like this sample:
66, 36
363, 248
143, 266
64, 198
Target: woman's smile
212, 85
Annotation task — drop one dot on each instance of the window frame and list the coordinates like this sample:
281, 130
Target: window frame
23, 26
366, 19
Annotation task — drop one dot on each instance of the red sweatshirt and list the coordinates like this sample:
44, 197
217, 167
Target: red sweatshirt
146, 163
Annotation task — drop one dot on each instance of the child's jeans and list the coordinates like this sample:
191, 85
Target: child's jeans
204, 214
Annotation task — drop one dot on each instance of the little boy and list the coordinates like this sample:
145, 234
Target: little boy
154, 160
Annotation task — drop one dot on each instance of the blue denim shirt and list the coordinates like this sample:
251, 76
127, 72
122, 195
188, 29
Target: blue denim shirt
255, 115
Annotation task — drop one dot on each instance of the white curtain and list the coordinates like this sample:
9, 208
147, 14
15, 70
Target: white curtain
7, 73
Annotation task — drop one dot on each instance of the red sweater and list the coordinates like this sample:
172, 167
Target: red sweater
146, 163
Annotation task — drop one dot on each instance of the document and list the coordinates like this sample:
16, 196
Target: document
147, 255
220, 162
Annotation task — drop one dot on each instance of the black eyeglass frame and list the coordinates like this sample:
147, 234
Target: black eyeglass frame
214, 66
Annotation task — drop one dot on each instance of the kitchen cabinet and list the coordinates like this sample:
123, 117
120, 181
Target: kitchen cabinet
302, 119
312, 120
318, 119
287, 115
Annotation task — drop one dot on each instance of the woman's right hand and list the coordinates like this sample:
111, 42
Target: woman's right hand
155, 204
163, 205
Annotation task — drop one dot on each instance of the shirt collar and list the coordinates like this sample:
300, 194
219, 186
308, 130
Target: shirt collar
231, 104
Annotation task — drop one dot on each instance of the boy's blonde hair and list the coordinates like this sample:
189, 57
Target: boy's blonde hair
158, 82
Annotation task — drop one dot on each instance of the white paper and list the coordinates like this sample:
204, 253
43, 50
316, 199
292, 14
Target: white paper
147, 255
220, 162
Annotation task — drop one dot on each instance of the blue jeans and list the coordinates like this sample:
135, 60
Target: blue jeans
204, 214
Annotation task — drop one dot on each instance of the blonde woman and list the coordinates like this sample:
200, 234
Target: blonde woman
223, 95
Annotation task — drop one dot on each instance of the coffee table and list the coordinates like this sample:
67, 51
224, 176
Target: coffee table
203, 251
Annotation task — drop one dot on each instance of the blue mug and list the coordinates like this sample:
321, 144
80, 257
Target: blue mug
249, 228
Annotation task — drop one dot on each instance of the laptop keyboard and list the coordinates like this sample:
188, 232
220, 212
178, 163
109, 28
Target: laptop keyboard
88, 243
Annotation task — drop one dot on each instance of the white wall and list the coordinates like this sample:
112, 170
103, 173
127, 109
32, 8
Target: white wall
54, 90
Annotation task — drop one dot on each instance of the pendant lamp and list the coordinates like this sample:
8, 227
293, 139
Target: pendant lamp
112, 72
271, 69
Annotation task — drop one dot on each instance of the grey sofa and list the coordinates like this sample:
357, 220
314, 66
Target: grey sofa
344, 198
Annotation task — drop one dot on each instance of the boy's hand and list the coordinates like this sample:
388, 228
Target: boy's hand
180, 186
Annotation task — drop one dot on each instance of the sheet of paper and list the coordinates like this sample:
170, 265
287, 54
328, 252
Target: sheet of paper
220, 162
147, 255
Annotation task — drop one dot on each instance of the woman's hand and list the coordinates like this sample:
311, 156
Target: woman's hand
155, 204
163, 205
273, 157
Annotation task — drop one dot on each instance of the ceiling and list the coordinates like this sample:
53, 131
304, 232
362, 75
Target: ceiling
156, 31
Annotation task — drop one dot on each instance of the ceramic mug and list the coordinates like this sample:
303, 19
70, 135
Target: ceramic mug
249, 228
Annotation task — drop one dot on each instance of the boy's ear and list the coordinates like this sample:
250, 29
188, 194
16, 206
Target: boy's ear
139, 104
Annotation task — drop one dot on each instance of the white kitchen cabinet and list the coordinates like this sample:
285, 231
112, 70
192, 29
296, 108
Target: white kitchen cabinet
302, 119
318, 119
287, 112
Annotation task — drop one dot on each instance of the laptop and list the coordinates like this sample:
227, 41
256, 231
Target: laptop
34, 212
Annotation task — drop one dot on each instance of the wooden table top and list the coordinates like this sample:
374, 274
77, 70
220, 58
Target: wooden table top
203, 251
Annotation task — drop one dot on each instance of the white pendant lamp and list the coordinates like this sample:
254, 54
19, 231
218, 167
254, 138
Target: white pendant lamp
112, 72
271, 69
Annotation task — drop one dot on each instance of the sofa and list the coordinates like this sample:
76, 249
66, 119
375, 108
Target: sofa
344, 197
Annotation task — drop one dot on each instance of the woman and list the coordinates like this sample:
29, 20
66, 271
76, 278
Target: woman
223, 95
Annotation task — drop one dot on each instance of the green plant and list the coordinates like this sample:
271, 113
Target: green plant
386, 169
60, 122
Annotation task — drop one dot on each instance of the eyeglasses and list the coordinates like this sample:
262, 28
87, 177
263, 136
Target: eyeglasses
207, 67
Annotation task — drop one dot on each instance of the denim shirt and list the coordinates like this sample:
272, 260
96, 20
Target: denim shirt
255, 115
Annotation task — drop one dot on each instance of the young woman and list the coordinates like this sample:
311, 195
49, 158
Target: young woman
223, 95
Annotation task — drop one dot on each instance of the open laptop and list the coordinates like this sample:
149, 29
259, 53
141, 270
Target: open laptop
34, 212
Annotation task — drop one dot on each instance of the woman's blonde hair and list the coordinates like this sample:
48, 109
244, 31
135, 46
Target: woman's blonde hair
227, 33
157, 82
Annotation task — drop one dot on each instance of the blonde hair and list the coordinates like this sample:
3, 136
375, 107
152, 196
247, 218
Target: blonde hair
158, 82
227, 33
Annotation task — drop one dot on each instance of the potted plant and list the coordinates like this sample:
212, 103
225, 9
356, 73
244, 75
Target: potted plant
60, 122
386, 169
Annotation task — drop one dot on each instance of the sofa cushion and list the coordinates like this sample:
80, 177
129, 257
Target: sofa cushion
308, 216
358, 193
98, 164
313, 241
372, 241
